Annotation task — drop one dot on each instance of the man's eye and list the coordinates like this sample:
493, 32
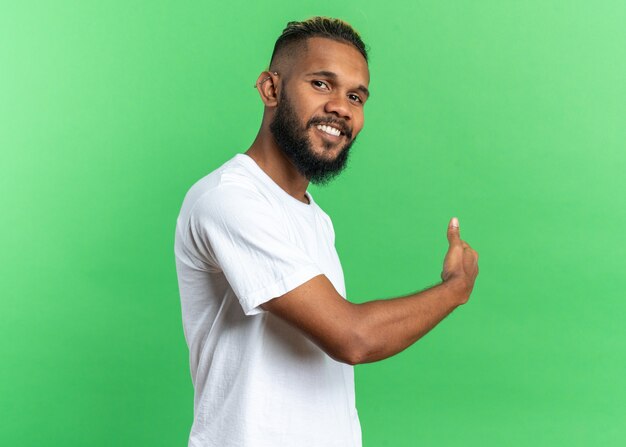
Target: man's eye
355, 98
320, 84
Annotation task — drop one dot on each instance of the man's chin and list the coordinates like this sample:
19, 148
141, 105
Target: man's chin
329, 151
327, 155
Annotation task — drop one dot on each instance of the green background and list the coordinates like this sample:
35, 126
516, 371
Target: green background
507, 114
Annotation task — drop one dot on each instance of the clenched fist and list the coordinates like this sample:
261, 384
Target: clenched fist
460, 266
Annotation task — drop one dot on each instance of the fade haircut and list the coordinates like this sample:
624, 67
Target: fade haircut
297, 33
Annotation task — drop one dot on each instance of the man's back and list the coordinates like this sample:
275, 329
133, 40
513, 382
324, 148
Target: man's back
241, 240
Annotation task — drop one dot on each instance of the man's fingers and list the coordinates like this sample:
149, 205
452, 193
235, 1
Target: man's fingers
453, 231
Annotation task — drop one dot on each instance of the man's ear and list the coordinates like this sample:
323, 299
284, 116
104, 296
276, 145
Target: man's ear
267, 85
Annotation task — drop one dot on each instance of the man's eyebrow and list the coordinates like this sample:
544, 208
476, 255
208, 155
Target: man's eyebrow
333, 76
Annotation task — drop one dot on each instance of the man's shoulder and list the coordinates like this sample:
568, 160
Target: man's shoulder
231, 180
233, 172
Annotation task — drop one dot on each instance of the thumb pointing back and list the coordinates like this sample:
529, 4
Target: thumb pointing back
453, 232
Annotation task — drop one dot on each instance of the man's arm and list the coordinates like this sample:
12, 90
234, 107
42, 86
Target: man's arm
372, 331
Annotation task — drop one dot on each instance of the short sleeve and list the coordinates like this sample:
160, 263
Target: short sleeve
241, 234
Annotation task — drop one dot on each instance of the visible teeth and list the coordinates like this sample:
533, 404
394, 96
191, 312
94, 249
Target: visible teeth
329, 130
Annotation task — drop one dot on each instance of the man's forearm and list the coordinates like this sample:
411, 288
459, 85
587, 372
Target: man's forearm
386, 327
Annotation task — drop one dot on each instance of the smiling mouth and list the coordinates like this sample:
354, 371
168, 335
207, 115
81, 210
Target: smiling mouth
329, 130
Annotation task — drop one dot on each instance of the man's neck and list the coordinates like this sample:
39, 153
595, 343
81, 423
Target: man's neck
278, 167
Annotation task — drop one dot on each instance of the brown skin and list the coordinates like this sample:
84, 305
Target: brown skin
348, 332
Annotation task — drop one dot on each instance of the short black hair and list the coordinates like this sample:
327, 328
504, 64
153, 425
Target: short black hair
298, 32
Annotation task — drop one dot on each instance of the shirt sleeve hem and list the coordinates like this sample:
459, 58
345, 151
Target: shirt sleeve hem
251, 302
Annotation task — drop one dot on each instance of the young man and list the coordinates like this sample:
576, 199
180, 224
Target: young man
272, 338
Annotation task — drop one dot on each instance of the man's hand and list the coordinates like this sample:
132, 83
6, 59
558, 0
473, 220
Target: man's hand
460, 266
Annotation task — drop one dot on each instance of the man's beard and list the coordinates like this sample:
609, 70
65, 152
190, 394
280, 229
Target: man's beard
296, 145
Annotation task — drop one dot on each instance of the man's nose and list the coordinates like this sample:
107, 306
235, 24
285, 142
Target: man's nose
339, 105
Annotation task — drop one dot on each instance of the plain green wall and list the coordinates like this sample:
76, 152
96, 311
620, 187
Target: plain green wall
508, 114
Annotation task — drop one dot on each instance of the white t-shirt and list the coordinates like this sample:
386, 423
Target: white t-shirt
241, 240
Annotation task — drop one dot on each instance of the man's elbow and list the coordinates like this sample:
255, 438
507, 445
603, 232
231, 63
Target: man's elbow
355, 358
356, 348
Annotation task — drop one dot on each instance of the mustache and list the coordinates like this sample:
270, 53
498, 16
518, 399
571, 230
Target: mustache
340, 124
